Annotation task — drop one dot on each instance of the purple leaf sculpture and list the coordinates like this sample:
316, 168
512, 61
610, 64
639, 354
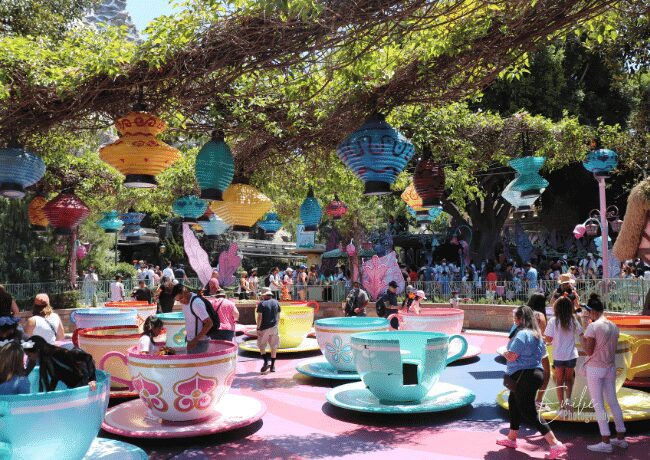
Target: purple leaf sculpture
229, 262
394, 273
197, 256
374, 277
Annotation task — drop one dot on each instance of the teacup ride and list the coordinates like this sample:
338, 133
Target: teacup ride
85, 318
334, 339
58, 425
99, 342
144, 309
182, 395
638, 328
634, 403
174, 324
296, 320
445, 320
400, 372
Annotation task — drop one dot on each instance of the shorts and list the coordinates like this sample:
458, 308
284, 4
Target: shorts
223, 334
268, 337
570, 363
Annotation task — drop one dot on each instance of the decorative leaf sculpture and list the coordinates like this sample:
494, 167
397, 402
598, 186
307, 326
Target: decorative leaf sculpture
229, 262
197, 256
394, 273
524, 246
374, 277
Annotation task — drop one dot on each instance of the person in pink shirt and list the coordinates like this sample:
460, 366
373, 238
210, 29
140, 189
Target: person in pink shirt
228, 316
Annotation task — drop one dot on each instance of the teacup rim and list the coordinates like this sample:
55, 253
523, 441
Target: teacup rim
129, 304
167, 316
434, 311
87, 332
103, 379
381, 335
104, 311
370, 322
133, 352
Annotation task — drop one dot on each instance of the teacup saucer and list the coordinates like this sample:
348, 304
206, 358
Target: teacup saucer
472, 350
112, 449
123, 394
233, 411
442, 397
634, 403
308, 344
639, 382
324, 370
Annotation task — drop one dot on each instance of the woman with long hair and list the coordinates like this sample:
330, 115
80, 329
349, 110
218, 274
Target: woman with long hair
164, 295
561, 331
524, 370
44, 322
12, 372
244, 286
74, 368
537, 302
151, 329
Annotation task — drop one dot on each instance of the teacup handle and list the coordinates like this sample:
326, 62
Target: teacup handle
315, 305
5, 450
390, 317
5, 447
72, 316
124, 359
463, 348
633, 371
75, 337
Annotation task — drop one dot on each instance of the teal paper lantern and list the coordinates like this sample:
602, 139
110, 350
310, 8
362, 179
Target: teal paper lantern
213, 226
517, 199
376, 153
528, 182
310, 212
111, 222
601, 161
190, 208
215, 168
18, 170
270, 224
132, 230
424, 218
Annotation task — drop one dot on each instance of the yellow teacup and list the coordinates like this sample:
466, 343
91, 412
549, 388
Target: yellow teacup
638, 328
295, 323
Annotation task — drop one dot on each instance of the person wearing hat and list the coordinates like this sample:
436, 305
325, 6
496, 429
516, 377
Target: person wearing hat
356, 301
10, 329
567, 289
415, 305
599, 343
228, 316
197, 319
410, 296
287, 282
387, 304
267, 320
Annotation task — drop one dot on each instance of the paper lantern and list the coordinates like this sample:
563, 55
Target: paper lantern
65, 212
310, 212
376, 153
18, 170
429, 217
132, 230
528, 182
516, 199
336, 208
37, 217
270, 224
429, 182
242, 206
111, 222
215, 168
82, 251
137, 153
601, 161
413, 199
214, 226
190, 207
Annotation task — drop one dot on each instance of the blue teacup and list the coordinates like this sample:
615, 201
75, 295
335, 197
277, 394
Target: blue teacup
58, 425
402, 366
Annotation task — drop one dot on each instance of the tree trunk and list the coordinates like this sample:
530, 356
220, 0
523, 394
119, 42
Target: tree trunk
72, 265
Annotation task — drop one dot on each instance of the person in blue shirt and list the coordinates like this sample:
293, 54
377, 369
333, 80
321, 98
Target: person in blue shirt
524, 356
12, 372
531, 277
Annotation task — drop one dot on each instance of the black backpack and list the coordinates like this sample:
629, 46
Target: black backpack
380, 306
214, 316
267, 281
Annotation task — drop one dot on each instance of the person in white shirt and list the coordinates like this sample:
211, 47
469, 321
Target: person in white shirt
90, 286
197, 320
117, 290
275, 283
152, 328
44, 322
169, 272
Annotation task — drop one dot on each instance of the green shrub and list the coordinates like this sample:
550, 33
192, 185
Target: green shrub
109, 271
67, 299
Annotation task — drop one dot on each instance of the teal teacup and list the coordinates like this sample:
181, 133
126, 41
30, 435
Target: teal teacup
333, 336
402, 366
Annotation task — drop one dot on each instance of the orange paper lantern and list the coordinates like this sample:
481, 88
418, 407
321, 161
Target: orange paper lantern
411, 198
37, 217
242, 206
137, 153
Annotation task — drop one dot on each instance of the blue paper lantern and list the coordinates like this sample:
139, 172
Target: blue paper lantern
601, 161
132, 230
215, 168
516, 199
111, 222
18, 170
310, 212
424, 218
190, 208
376, 153
270, 224
214, 226
528, 182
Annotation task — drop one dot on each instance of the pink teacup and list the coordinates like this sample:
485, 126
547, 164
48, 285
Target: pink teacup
446, 320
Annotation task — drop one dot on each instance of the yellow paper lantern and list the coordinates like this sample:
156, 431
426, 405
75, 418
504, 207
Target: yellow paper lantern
242, 206
37, 217
411, 198
137, 153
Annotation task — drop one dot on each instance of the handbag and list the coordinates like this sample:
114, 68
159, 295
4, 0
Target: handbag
510, 383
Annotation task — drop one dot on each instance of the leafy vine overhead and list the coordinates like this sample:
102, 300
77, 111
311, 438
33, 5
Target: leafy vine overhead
281, 76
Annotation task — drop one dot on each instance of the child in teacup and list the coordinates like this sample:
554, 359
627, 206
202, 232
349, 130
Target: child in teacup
12, 371
152, 328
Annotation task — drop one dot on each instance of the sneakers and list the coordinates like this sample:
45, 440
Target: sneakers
272, 368
556, 451
505, 442
265, 368
601, 447
622, 443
